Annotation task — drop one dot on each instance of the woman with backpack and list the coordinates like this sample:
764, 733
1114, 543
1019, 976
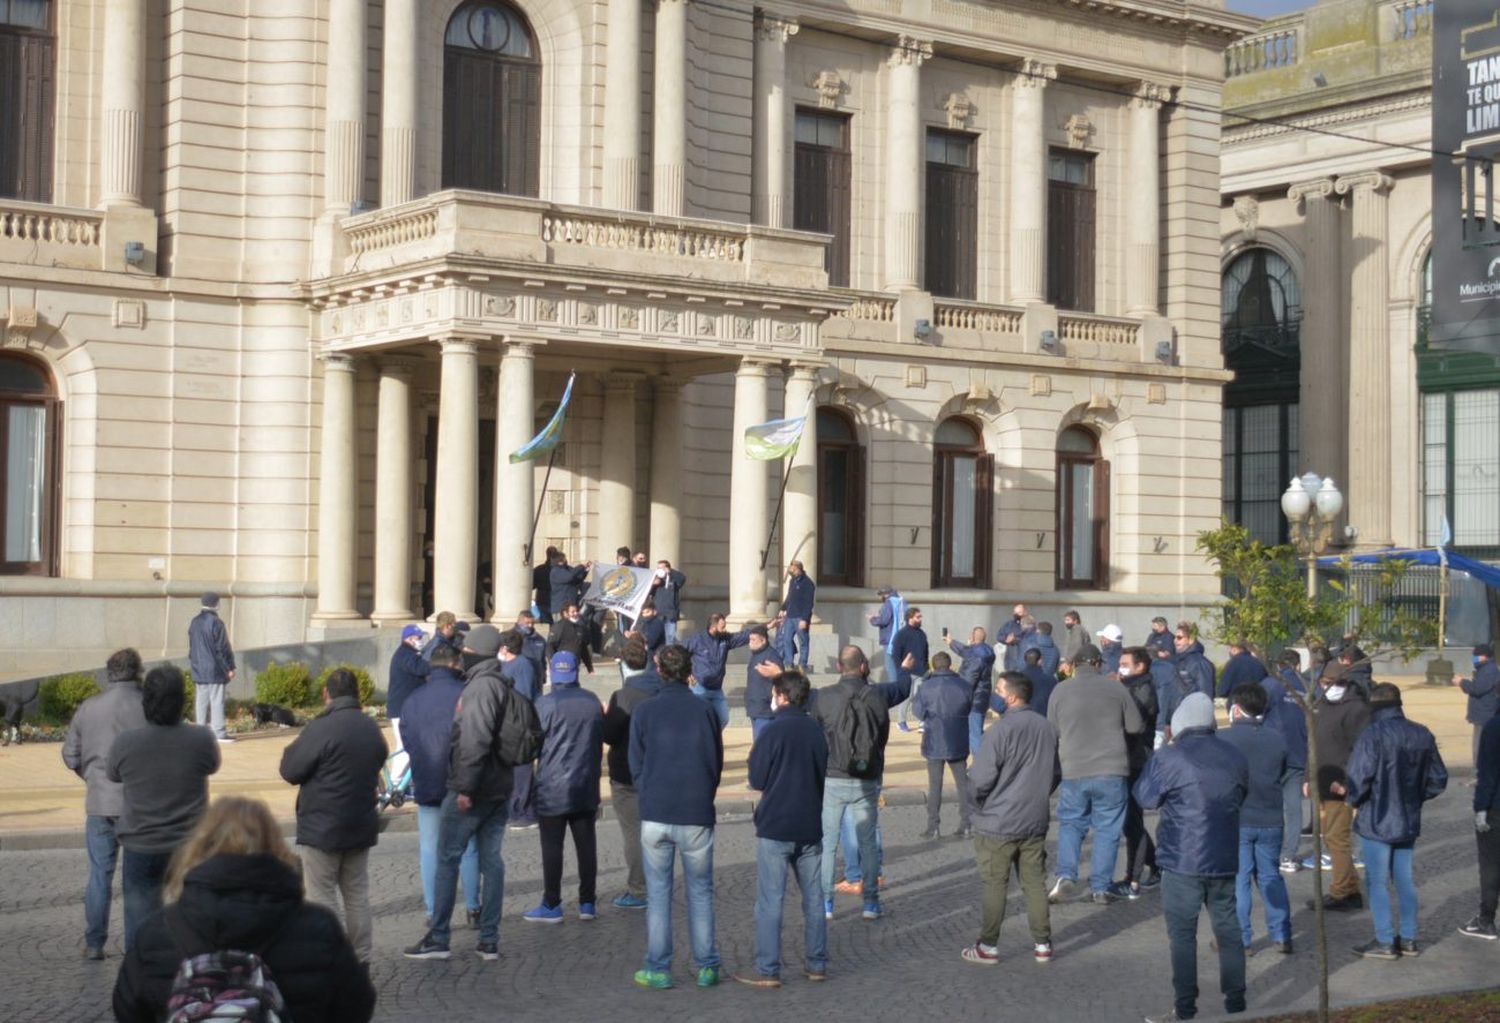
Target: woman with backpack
235, 934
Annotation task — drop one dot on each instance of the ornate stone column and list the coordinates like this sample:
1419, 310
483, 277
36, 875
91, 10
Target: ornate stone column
770, 184
1320, 410
515, 490
337, 494
344, 113
905, 150
398, 104
1369, 482
1028, 182
393, 492
617, 467
622, 106
1143, 209
748, 492
669, 110
666, 471
455, 515
124, 92
800, 522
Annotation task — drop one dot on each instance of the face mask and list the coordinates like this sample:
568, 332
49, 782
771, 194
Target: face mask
1016, 617
1336, 693
1478, 661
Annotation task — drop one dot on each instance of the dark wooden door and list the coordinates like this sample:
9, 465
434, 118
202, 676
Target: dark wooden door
1070, 246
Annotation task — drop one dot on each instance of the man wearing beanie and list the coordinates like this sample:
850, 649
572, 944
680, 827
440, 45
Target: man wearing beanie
1198, 783
1338, 718
1483, 690
211, 659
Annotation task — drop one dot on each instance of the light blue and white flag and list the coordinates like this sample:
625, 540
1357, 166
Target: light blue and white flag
544, 442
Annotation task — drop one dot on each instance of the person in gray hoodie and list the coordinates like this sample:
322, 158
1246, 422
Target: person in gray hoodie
211, 659
95, 725
1015, 772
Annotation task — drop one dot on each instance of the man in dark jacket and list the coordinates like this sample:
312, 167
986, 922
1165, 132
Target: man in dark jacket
909, 655
1242, 668
709, 651
1169, 689
520, 674
567, 788
1198, 783
211, 659
96, 724
1051, 656
428, 736
541, 584
477, 805
1159, 638
1260, 816
1111, 646
677, 760
1487, 832
566, 582
888, 621
666, 594
622, 794
533, 644
1042, 681
942, 707
1009, 637
651, 628
1356, 670
758, 696
1194, 671
408, 670
1140, 851
796, 614
1285, 715
336, 761
570, 634
788, 767
976, 667
1395, 768
1015, 772
867, 720
1483, 690
1339, 717
1075, 635
445, 632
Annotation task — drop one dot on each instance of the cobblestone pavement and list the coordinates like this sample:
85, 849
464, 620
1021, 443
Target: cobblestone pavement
1111, 962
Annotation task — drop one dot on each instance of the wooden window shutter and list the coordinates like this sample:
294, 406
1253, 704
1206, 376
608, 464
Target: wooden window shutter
1059, 241
12, 144
839, 199
984, 520
857, 499
952, 214
520, 133
939, 519
27, 123
1083, 259
1101, 524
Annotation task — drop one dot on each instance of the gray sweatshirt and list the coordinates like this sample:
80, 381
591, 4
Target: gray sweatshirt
96, 724
164, 770
1015, 770
1092, 714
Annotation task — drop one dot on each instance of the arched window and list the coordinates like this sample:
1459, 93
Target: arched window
841, 500
492, 101
1082, 512
29, 414
28, 88
1262, 325
963, 478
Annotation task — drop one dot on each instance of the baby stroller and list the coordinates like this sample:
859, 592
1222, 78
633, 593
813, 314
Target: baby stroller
395, 781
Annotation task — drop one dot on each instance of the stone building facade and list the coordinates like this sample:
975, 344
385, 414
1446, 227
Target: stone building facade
284, 282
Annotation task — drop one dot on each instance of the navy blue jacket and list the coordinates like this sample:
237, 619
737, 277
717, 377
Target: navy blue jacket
1198, 782
565, 584
1051, 656
1160, 641
1196, 671
541, 582
788, 765
801, 592
521, 674
910, 640
1042, 684
653, 631
1110, 654
888, 619
427, 733
1283, 714
408, 671
757, 689
1010, 637
1265, 751
942, 705
1168, 691
1487, 784
676, 757
711, 655
1483, 690
567, 772
976, 668
1395, 768
637, 689
210, 656
1240, 668
534, 649
667, 596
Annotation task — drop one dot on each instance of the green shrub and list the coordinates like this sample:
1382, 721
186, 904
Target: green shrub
59, 697
285, 685
190, 694
365, 679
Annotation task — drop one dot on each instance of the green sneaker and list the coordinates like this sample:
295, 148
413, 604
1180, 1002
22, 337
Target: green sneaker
653, 979
708, 976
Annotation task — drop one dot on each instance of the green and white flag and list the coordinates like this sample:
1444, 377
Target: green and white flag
777, 439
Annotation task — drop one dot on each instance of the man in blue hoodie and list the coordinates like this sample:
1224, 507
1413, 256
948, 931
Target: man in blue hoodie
1051, 656
1483, 690
788, 767
1010, 636
709, 651
758, 702
1260, 816
677, 760
888, 620
518, 672
1160, 637
408, 671
1194, 670
796, 613
942, 706
1042, 683
976, 667
1286, 716
909, 652
1242, 668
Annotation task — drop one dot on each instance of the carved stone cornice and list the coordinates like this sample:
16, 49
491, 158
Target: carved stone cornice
774, 28
1150, 96
830, 87
1318, 188
959, 108
909, 51
1035, 74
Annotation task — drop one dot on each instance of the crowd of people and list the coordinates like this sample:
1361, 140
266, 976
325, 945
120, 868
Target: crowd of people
500, 735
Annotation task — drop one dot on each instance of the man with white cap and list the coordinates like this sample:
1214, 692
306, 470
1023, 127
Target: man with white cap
211, 659
1111, 638
1198, 783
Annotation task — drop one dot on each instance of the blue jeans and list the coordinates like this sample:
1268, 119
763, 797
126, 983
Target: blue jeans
1291, 811
104, 849
1097, 802
850, 840
860, 801
757, 725
670, 629
659, 845
1383, 862
141, 875
772, 859
976, 730
788, 638
483, 824
716, 699
429, 827
1260, 849
1182, 897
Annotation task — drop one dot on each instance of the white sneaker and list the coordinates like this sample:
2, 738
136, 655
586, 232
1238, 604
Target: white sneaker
226, 740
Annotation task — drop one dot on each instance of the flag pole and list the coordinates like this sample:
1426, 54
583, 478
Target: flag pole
537, 518
765, 554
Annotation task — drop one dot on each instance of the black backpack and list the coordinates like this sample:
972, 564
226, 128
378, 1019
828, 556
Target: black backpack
858, 731
518, 740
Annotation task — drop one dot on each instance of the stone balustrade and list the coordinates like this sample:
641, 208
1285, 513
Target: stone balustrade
954, 315
1410, 19
1087, 328
50, 235
1278, 48
870, 307
606, 231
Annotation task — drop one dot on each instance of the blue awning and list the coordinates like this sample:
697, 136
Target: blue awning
1487, 574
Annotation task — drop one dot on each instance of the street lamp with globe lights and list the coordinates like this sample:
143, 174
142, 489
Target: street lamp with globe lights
1311, 505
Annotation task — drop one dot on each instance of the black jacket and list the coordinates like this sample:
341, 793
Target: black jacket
825, 710
572, 638
252, 904
757, 687
337, 761
1487, 787
474, 766
541, 582
1337, 726
1138, 745
1394, 769
617, 721
565, 587
788, 764
667, 595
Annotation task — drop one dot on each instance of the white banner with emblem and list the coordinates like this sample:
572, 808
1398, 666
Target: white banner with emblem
621, 588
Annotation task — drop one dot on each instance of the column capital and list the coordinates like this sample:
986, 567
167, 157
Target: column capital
1364, 183
622, 384
806, 370
403, 366
458, 344
520, 347
753, 367
1035, 74
774, 28
336, 362
1150, 95
909, 51
1318, 188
